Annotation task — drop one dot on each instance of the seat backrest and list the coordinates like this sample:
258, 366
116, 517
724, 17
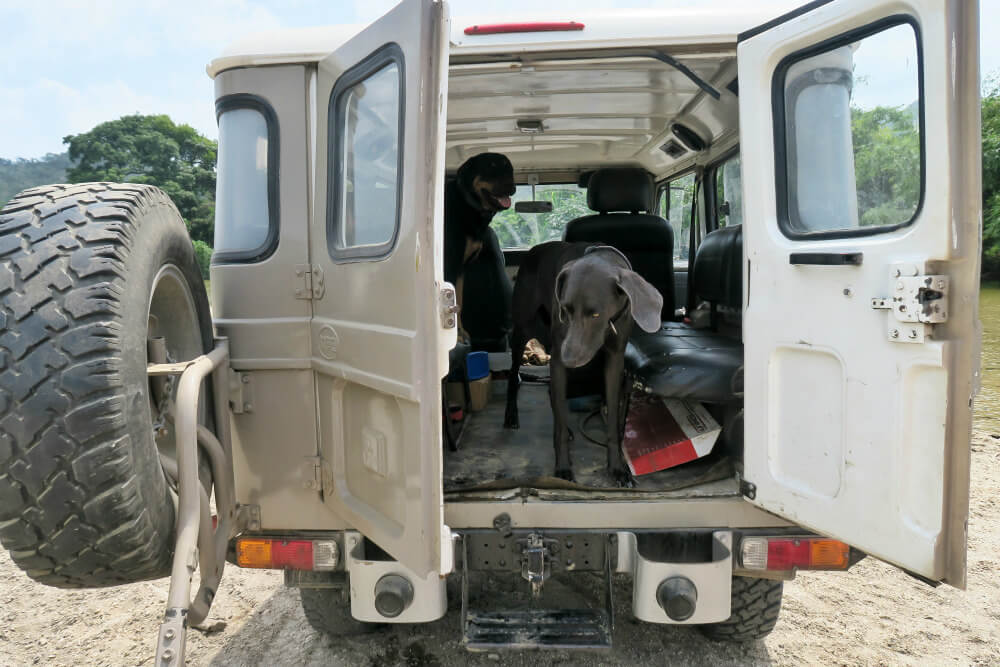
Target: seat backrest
717, 273
622, 195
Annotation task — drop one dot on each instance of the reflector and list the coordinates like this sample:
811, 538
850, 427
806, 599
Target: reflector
253, 553
292, 555
830, 554
537, 26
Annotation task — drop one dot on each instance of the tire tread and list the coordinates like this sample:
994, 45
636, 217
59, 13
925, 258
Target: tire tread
756, 604
70, 511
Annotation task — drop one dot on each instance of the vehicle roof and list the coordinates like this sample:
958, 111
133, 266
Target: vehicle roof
715, 24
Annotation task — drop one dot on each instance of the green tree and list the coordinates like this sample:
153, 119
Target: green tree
991, 176
154, 150
886, 164
17, 175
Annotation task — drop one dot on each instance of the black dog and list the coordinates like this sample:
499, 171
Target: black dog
579, 300
482, 188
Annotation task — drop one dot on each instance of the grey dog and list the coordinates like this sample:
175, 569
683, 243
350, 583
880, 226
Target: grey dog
579, 300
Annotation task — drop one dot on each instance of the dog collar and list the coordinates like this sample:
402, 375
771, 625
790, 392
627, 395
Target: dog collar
595, 248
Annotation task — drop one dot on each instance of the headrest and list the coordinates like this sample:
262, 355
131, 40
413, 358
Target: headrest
620, 189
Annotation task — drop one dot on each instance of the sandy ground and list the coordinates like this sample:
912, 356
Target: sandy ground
873, 615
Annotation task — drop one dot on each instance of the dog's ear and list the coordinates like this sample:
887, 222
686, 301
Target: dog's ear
644, 301
560, 290
465, 173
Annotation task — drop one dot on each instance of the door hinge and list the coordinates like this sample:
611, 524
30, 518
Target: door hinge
309, 282
240, 392
917, 300
312, 473
448, 306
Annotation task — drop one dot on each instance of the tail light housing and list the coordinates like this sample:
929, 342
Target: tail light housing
785, 554
285, 554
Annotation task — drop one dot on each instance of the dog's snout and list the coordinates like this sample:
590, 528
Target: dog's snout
576, 351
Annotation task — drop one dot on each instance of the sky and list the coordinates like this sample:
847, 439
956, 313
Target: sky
68, 65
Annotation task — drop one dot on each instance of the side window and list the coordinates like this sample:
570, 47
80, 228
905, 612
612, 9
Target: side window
246, 189
728, 193
677, 207
661, 201
848, 127
365, 159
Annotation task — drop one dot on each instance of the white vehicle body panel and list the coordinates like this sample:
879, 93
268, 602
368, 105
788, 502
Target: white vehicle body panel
848, 432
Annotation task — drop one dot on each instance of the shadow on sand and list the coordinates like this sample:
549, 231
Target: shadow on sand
278, 634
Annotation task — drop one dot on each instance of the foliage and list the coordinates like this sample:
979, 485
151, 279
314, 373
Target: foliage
523, 230
886, 164
203, 253
991, 176
152, 149
17, 175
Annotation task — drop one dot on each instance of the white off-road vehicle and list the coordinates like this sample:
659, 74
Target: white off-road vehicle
808, 205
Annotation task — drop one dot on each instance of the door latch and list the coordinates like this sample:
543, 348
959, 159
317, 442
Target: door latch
917, 300
448, 303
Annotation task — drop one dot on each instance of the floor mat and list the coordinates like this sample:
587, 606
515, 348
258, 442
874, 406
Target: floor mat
491, 457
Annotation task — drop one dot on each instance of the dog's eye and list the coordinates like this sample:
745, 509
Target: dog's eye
595, 315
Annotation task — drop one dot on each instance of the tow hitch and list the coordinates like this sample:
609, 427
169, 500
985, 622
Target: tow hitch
535, 566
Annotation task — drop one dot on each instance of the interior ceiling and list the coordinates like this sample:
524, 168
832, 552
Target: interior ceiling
594, 112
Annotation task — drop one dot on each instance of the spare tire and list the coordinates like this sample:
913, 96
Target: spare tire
85, 272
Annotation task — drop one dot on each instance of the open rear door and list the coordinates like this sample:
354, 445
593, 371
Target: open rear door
379, 343
859, 132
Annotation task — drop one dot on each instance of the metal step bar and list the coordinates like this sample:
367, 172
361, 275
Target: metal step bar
538, 628
198, 545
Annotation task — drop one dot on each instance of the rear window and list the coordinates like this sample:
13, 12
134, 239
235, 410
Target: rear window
524, 230
246, 187
366, 129
848, 125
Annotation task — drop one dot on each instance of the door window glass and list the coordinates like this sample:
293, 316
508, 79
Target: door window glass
852, 136
678, 209
728, 193
365, 162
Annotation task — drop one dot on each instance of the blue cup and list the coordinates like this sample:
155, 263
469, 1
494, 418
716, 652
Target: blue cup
477, 365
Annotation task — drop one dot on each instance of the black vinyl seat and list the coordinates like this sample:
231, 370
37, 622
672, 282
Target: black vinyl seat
622, 196
679, 361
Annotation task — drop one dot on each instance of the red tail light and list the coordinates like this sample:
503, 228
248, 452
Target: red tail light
537, 26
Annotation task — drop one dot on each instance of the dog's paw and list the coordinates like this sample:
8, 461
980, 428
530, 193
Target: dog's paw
565, 473
511, 422
622, 477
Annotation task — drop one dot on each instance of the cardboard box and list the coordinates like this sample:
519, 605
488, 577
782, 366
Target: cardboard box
661, 433
479, 394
